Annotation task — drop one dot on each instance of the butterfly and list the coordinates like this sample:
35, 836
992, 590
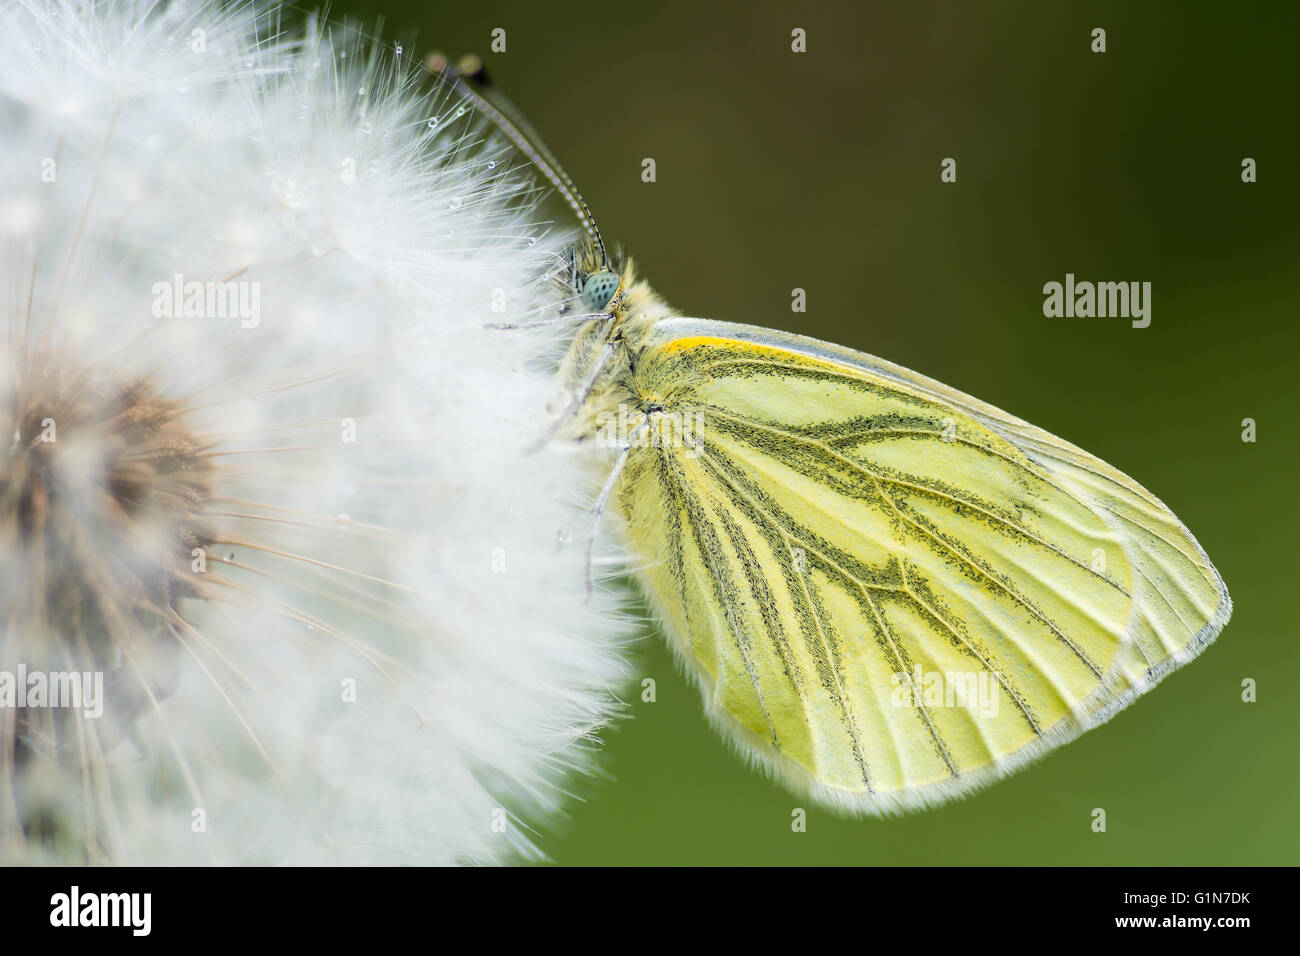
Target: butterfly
888, 592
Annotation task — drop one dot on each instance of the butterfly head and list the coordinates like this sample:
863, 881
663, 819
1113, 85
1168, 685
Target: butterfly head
599, 278
606, 283
598, 289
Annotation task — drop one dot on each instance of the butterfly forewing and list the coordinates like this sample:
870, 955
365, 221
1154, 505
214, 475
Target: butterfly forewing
889, 591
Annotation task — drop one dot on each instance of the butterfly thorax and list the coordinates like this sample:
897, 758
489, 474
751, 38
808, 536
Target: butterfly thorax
604, 373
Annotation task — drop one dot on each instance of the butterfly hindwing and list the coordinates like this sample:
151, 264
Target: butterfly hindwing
891, 592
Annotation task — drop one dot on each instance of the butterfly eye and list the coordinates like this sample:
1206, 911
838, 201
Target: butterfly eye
599, 289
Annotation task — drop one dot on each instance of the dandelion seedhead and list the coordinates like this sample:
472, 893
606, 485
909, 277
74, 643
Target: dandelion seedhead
263, 469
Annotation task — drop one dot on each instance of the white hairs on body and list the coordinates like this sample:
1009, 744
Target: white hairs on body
367, 638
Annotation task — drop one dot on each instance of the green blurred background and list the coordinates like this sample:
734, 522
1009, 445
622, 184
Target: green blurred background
822, 171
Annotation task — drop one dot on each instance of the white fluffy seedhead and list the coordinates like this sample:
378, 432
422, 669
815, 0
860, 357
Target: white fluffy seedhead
284, 507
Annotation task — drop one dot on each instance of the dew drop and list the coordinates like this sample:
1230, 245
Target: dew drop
433, 122
361, 91
398, 49
366, 127
455, 202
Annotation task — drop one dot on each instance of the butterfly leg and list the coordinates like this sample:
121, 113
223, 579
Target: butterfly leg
565, 319
575, 401
606, 491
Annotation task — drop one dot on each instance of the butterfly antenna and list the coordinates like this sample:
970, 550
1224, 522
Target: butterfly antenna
472, 79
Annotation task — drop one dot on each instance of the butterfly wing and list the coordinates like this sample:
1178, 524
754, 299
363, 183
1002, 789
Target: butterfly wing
889, 591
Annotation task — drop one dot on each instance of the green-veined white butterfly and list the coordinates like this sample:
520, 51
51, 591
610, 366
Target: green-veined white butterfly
889, 592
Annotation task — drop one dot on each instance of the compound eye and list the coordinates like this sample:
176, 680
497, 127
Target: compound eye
599, 289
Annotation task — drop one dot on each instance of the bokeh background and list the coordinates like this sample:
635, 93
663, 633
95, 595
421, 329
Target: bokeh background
821, 170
